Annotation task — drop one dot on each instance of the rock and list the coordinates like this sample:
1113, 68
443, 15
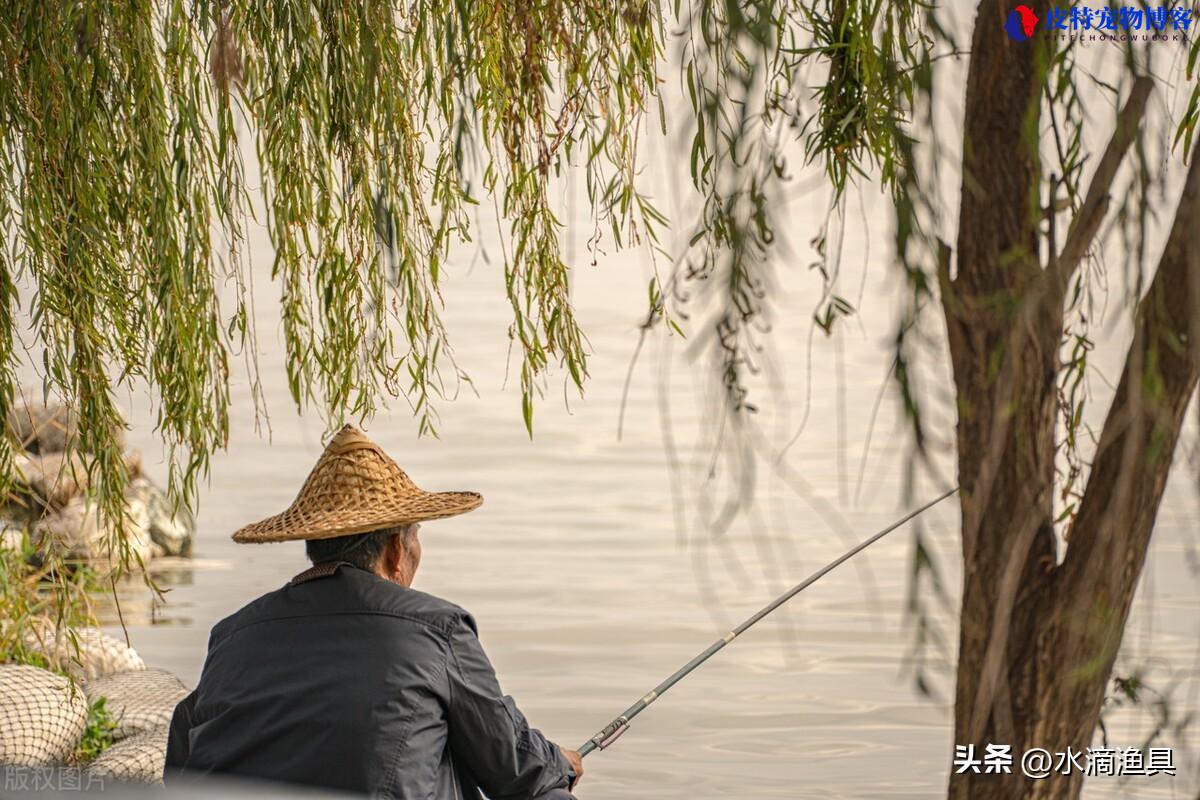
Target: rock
50, 481
12, 535
53, 499
44, 427
46, 478
98, 655
139, 758
171, 531
38, 427
78, 532
139, 700
42, 717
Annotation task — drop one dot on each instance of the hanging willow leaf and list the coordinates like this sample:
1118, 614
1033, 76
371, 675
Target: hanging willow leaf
125, 200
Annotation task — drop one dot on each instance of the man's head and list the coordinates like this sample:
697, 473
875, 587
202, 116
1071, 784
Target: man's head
392, 553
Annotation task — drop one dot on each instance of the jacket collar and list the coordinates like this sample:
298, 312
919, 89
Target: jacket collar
322, 570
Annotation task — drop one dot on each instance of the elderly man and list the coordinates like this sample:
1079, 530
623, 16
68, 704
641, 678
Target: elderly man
347, 678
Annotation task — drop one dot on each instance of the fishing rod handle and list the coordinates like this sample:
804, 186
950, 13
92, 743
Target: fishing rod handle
605, 737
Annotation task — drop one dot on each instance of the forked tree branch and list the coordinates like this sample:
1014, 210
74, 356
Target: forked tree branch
1095, 203
1129, 470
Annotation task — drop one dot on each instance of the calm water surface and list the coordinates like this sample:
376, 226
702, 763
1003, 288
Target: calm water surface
586, 596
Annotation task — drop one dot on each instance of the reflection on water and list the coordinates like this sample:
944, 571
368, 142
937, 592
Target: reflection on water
137, 604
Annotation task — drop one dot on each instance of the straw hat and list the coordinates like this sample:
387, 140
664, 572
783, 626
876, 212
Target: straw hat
355, 488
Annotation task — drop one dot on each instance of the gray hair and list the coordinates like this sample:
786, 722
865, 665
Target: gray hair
363, 550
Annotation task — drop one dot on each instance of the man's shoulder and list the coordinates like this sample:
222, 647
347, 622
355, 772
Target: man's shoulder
436, 608
381, 595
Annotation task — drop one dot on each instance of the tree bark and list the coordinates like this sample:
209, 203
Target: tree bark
1037, 641
1004, 365
1093, 589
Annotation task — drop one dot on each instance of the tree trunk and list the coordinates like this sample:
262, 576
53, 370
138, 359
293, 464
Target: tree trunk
1038, 640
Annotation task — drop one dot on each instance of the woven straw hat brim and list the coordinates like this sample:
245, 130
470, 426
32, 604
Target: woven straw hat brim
355, 488
428, 506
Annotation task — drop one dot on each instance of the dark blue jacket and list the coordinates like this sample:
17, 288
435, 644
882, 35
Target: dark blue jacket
347, 681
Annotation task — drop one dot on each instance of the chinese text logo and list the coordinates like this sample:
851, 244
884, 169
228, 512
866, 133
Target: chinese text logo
1103, 22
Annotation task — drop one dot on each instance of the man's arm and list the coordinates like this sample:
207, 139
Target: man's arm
489, 734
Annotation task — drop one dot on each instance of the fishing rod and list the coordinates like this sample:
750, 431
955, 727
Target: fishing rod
618, 726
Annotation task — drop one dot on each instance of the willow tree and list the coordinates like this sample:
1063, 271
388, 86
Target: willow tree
376, 126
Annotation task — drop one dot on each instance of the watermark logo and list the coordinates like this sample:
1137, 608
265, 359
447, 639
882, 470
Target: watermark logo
1039, 763
50, 779
1021, 23
1102, 22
